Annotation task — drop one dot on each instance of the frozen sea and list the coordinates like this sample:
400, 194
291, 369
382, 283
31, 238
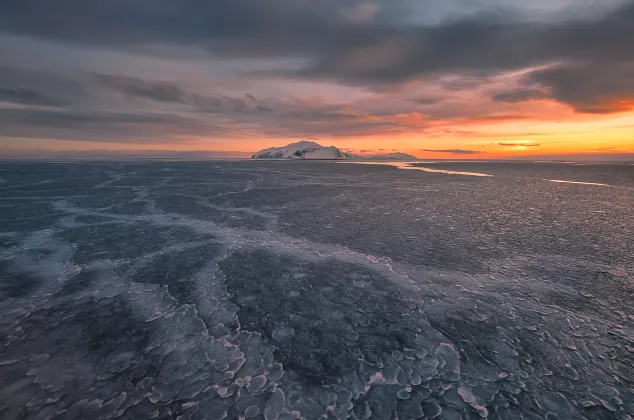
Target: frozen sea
316, 290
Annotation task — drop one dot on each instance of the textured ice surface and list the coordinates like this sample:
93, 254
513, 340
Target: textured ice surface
312, 290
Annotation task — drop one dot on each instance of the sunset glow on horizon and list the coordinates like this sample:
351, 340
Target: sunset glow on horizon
441, 80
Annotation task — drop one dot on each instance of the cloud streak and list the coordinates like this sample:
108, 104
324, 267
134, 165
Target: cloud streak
27, 96
520, 95
452, 151
172, 93
507, 144
102, 126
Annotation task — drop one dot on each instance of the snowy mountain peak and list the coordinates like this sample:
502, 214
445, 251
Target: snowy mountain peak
302, 150
305, 144
311, 150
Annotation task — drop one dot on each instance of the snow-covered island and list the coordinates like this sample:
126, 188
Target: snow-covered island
312, 150
302, 150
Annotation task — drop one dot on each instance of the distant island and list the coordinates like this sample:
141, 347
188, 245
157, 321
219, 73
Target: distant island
312, 150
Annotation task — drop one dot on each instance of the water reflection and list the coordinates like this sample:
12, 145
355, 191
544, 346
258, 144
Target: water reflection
417, 167
578, 182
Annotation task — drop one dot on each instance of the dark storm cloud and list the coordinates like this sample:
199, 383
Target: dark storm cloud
452, 151
261, 27
478, 46
484, 42
594, 88
520, 95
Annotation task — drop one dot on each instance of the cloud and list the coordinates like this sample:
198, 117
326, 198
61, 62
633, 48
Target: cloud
379, 48
613, 149
427, 101
593, 88
374, 151
506, 144
361, 12
479, 45
96, 125
271, 27
172, 93
270, 117
582, 157
520, 95
167, 111
279, 47
34, 87
453, 151
132, 86
26, 96
39, 153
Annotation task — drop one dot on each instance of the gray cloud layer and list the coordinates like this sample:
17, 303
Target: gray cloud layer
97, 125
26, 96
114, 108
374, 51
172, 93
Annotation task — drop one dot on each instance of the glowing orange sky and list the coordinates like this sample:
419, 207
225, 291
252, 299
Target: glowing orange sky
540, 127
537, 128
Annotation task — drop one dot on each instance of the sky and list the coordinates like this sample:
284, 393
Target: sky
435, 78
